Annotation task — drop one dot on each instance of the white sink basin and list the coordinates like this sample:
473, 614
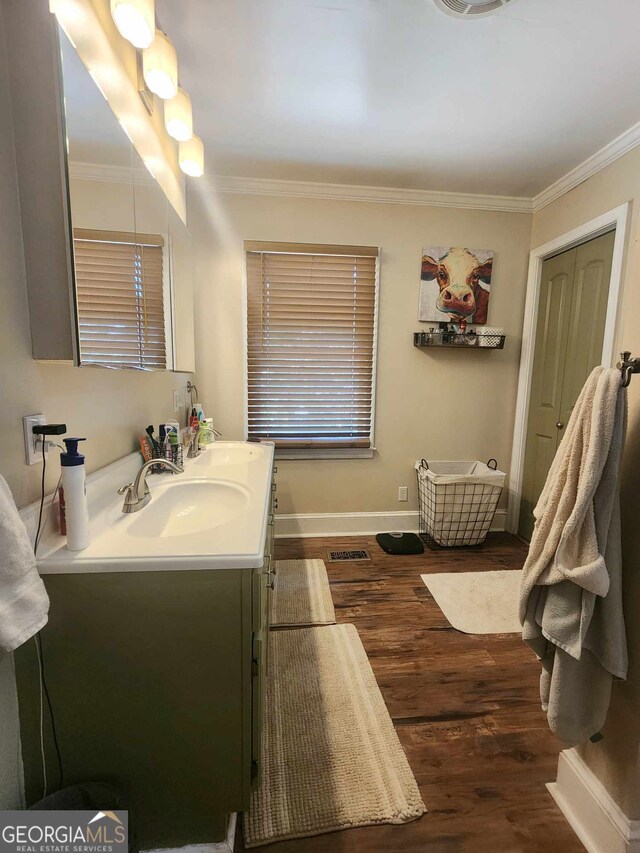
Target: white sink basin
186, 507
228, 453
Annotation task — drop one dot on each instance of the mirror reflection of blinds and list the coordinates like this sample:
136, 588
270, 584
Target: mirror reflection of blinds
311, 330
120, 295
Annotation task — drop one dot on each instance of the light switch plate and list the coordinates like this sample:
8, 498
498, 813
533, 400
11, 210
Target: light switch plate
32, 447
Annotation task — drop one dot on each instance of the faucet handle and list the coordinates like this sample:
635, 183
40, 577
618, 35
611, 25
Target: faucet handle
130, 497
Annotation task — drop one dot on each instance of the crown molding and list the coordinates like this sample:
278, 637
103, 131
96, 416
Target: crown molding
384, 195
111, 174
615, 149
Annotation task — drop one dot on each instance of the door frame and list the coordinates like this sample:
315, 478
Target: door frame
613, 219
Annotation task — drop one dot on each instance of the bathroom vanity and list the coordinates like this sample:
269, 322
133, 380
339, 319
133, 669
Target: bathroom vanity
155, 650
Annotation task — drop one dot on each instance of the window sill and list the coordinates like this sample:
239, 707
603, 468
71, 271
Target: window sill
326, 453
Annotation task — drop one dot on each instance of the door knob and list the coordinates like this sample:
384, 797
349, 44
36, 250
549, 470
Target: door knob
559, 425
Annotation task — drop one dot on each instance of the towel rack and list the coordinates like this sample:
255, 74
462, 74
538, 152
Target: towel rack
628, 366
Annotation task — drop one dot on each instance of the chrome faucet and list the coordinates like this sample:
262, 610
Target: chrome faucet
136, 494
193, 447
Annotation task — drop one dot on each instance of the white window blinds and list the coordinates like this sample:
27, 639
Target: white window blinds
311, 331
120, 298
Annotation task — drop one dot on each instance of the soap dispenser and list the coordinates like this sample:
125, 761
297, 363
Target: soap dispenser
75, 495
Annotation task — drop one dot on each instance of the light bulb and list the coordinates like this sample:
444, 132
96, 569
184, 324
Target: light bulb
191, 157
178, 116
135, 20
160, 67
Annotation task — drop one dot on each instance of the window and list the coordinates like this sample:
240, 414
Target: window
310, 334
120, 296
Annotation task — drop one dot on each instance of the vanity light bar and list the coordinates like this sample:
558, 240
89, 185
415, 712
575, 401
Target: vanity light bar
135, 21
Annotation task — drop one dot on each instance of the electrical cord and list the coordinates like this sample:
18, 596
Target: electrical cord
44, 471
44, 690
40, 529
42, 752
43, 687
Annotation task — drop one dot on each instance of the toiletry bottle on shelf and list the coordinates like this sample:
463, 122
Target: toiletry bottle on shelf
75, 495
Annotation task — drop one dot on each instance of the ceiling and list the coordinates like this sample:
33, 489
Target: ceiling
396, 93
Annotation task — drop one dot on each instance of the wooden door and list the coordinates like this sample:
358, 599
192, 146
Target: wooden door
571, 318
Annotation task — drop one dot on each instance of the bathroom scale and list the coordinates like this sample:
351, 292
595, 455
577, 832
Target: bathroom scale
400, 543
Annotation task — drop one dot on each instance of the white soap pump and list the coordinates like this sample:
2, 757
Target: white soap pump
75, 495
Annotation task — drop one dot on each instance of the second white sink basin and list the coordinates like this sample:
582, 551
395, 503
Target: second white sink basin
229, 453
186, 507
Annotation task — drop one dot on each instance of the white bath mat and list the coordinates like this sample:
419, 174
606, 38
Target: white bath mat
301, 594
478, 602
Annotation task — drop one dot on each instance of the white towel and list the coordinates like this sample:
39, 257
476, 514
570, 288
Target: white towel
24, 603
571, 591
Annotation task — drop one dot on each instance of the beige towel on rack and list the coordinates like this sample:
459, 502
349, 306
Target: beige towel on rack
24, 603
571, 589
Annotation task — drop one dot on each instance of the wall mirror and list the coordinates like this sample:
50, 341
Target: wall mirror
132, 261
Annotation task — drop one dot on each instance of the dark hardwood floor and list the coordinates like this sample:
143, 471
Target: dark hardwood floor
465, 707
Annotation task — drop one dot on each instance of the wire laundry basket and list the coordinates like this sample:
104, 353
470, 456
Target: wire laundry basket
457, 501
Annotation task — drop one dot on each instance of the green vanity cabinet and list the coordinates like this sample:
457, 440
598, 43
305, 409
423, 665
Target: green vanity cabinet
156, 681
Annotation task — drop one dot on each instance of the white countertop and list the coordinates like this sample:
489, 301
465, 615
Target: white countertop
212, 516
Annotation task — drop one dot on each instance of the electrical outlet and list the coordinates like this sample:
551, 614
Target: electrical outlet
176, 401
32, 443
403, 493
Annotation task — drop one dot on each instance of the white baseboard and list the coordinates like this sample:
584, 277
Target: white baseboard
307, 525
594, 816
225, 846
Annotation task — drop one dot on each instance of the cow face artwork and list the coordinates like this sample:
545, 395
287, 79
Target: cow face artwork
455, 285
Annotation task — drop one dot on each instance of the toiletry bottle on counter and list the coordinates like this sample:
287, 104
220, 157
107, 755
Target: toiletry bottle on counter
205, 438
75, 496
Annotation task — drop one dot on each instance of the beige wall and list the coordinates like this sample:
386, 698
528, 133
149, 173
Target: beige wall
616, 758
438, 404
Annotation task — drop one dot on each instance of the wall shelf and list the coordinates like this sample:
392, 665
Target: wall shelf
461, 340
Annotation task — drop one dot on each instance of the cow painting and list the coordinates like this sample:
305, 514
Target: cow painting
455, 285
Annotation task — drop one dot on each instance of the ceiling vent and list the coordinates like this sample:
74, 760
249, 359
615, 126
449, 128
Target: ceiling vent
471, 8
